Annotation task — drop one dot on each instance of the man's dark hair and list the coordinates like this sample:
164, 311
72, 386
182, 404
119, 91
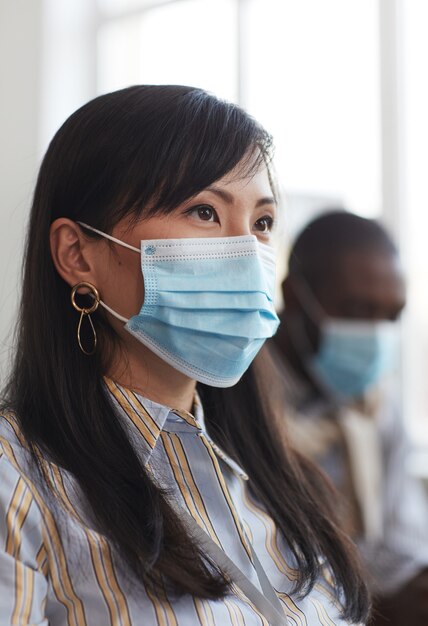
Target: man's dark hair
322, 243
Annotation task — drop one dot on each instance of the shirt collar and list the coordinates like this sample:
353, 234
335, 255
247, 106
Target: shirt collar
145, 419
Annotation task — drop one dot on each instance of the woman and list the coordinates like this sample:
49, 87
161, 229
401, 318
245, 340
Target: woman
148, 271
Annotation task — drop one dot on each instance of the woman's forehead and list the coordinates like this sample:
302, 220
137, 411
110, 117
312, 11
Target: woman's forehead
240, 180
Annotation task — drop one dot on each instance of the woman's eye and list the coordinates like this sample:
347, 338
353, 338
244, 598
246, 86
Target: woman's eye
264, 224
204, 212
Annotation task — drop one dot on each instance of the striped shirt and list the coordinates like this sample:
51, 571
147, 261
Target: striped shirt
56, 569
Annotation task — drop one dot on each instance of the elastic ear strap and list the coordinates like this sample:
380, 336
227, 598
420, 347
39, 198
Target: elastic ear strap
116, 315
99, 232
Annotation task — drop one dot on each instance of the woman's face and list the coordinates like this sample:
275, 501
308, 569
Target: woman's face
231, 207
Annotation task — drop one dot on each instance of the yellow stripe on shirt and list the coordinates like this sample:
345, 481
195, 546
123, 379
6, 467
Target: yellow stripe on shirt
29, 591
292, 610
178, 471
58, 569
227, 496
101, 560
140, 412
165, 615
20, 506
124, 401
271, 542
322, 613
182, 462
42, 560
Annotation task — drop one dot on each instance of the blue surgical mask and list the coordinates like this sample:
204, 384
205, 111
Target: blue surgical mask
208, 304
354, 355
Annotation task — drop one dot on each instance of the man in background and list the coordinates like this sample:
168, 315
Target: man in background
343, 296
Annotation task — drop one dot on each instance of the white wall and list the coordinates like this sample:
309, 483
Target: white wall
47, 70
20, 69
69, 60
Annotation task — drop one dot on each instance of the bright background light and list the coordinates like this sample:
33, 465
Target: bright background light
151, 49
415, 218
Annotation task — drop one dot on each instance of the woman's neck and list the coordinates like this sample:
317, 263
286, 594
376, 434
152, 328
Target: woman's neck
137, 368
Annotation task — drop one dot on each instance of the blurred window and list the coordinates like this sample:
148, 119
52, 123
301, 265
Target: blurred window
310, 79
414, 217
188, 42
311, 75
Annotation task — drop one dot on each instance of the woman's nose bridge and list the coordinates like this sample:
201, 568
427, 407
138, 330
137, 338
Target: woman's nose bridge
239, 226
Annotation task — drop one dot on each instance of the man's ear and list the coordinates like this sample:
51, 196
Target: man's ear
71, 252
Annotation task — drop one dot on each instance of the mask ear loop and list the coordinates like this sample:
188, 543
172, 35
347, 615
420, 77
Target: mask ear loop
116, 315
307, 299
299, 339
313, 310
86, 311
118, 241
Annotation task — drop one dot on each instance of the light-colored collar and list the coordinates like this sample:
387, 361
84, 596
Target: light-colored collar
145, 419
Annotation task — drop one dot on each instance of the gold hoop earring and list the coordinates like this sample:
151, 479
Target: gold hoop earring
86, 311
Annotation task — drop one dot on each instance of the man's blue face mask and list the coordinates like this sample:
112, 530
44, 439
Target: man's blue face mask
208, 303
353, 355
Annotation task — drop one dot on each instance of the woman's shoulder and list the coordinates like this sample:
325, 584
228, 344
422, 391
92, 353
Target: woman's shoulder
15, 456
23, 551
22, 500
12, 440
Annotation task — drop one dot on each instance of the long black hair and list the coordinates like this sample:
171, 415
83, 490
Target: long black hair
138, 152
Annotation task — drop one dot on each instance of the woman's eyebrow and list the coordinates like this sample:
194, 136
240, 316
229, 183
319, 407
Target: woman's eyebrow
265, 200
229, 198
221, 193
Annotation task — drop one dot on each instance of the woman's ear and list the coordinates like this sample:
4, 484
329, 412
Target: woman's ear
71, 252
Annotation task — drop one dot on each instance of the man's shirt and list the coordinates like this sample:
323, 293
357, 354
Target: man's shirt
363, 448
